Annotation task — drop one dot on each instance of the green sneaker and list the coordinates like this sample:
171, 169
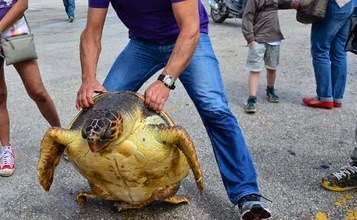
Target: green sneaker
271, 96
251, 104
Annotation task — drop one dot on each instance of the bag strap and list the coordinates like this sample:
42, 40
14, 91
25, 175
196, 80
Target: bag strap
27, 23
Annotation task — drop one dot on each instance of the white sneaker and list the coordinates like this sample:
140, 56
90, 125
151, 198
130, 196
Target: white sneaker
7, 161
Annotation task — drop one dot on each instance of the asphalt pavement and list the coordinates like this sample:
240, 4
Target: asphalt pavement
292, 145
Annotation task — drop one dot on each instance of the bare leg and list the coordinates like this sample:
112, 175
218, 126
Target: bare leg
253, 83
271, 75
4, 114
30, 75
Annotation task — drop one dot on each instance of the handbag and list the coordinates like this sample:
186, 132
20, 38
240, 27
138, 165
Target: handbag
351, 43
311, 11
18, 43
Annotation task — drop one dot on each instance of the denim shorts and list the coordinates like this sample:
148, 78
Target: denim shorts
262, 53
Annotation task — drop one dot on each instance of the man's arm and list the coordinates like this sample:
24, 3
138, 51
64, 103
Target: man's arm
187, 17
90, 48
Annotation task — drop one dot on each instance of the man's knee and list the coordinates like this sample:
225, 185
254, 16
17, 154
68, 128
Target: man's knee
215, 112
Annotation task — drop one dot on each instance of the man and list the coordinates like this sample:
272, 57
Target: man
173, 36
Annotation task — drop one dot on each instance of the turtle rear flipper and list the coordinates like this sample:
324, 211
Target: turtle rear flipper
178, 136
52, 147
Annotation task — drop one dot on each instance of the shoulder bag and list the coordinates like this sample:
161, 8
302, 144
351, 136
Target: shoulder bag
311, 11
17, 43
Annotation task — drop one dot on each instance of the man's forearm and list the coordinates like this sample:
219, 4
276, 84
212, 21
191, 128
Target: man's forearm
181, 56
89, 55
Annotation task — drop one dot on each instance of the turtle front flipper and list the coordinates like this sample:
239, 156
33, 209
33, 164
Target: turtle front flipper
178, 136
52, 147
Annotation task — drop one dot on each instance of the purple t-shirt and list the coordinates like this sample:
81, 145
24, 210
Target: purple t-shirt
5, 6
150, 20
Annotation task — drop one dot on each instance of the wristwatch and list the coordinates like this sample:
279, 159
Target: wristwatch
169, 81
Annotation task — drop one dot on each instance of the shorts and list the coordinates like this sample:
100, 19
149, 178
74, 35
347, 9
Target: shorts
260, 52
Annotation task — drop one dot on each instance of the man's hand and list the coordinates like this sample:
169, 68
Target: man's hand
85, 93
156, 96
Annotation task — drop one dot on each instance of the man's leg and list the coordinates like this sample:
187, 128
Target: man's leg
65, 4
70, 9
203, 82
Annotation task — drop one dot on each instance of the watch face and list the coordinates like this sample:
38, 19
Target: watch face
169, 80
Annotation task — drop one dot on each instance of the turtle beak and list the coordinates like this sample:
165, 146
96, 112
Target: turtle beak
96, 146
94, 140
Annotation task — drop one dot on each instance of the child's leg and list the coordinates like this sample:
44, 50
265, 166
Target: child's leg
271, 76
254, 65
30, 75
271, 60
271, 93
253, 83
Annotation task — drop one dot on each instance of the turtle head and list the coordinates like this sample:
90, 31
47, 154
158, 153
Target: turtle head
104, 127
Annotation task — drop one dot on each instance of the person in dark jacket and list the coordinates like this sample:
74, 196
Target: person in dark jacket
262, 31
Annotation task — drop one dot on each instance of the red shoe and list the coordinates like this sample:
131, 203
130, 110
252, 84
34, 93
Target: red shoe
337, 104
314, 102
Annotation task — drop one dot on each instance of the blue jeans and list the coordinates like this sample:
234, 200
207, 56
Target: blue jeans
202, 80
69, 6
329, 57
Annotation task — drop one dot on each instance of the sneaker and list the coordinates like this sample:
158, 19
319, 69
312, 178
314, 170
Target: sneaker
342, 180
7, 160
271, 95
252, 208
70, 19
251, 106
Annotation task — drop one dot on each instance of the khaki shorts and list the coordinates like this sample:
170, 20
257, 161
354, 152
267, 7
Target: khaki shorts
260, 54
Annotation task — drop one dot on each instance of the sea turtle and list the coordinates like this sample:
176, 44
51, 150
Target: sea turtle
127, 152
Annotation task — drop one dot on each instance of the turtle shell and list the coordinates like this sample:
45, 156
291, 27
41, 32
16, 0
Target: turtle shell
124, 102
